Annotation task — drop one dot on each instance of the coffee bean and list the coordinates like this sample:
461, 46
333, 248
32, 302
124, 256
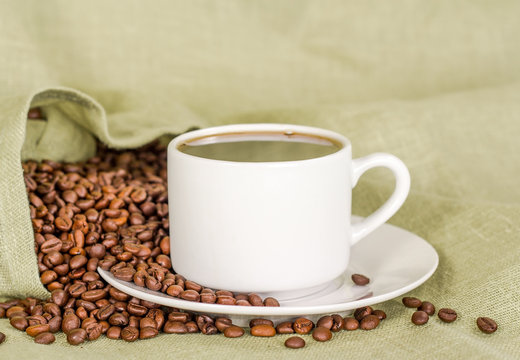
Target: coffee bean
427, 307
114, 332
361, 312
94, 330
302, 325
359, 279
285, 327
130, 334
380, 314
447, 315
76, 336
255, 299
148, 332
190, 295
294, 342
487, 325
325, 321
350, 324
105, 312
223, 323
37, 329
19, 322
137, 310
411, 302
337, 324
44, 338
2, 337
94, 295
269, 301
175, 327
59, 297
321, 334
255, 322
263, 330
192, 327
70, 322
420, 317
369, 322
233, 331
180, 316
55, 324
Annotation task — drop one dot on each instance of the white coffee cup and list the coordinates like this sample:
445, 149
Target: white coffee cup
269, 226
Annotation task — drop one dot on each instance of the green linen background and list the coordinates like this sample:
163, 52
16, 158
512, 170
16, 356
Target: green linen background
435, 83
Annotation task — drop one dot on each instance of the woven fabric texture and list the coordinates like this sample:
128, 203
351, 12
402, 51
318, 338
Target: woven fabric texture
435, 83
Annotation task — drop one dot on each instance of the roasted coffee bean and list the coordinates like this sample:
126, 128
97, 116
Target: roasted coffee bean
148, 332
350, 324
137, 310
192, 327
255, 322
130, 334
37, 329
14, 309
2, 337
76, 336
447, 315
222, 323
270, 301
208, 298
105, 312
369, 322
118, 319
59, 297
302, 326
52, 309
118, 294
285, 327
487, 325
321, 334
125, 273
233, 331
2, 312
190, 295
114, 332
263, 330
147, 322
337, 324
179, 316
175, 327
44, 338
420, 317
359, 279
255, 299
325, 321
158, 316
294, 342
427, 307
36, 320
380, 314
94, 331
361, 312
55, 324
75, 290
411, 302
19, 322
70, 322
226, 300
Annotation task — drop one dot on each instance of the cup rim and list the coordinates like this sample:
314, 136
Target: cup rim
344, 142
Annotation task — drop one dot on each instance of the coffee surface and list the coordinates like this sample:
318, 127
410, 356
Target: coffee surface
260, 148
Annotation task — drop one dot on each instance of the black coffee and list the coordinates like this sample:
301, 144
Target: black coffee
261, 147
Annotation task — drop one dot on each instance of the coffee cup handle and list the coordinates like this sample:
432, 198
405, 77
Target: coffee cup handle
390, 207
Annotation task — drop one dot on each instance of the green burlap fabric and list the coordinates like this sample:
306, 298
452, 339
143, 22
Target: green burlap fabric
435, 83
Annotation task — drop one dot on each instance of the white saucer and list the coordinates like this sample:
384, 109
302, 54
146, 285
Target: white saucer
395, 260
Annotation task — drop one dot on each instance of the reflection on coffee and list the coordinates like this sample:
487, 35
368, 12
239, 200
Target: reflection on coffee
260, 147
